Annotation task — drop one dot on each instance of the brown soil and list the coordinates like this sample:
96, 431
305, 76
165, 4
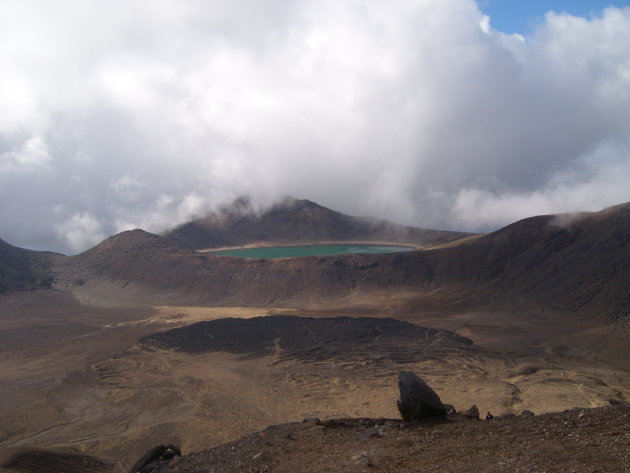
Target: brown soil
74, 379
579, 440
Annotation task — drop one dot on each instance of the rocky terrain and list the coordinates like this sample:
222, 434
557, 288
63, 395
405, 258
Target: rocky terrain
309, 339
579, 440
141, 341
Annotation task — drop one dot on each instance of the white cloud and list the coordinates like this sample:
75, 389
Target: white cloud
80, 231
128, 188
30, 156
413, 110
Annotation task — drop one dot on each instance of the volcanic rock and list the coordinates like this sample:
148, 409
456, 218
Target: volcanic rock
417, 400
472, 413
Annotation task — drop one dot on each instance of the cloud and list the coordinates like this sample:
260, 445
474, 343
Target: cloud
29, 156
80, 231
413, 110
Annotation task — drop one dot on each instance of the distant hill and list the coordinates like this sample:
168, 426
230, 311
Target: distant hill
568, 263
564, 262
22, 269
294, 221
171, 273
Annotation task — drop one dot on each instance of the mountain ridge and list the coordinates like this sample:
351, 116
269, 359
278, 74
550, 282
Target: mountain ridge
567, 262
292, 221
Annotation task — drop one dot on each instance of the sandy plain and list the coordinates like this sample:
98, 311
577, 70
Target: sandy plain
75, 377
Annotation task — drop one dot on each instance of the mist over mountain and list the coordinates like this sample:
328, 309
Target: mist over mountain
575, 262
292, 221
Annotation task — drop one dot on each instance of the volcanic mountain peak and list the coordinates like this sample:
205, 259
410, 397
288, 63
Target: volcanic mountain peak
294, 220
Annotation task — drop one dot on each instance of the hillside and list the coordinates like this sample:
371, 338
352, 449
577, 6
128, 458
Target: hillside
294, 221
171, 274
574, 263
575, 441
565, 262
578, 440
22, 269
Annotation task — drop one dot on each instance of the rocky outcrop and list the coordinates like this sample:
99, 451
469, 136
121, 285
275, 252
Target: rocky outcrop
417, 400
159, 453
472, 413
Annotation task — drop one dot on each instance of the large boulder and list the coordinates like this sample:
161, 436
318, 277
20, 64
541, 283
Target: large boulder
417, 400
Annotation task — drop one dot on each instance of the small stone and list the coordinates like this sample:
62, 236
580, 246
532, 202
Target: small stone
370, 433
472, 413
312, 421
259, 456
362, 459
527, 413
450, 409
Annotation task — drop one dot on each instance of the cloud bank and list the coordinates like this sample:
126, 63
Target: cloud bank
115, 115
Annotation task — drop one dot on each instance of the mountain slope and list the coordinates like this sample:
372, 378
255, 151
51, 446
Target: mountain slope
294, 221
22, 269
568, 262
176, 274
581, 263
579, 440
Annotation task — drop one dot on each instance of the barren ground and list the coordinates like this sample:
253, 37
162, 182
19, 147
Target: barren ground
74, 378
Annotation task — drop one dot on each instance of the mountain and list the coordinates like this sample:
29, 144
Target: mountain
575, 263
22, 269
565, 262
294, 221
172, 274
571, 263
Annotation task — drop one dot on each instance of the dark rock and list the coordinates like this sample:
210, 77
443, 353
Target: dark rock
417, 400
312, 421
161, 452
363, 459
450, 409
527, 413
527, 370
472, 413
370, 433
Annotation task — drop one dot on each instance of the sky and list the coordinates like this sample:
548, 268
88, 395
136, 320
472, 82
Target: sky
523, 16
452, 114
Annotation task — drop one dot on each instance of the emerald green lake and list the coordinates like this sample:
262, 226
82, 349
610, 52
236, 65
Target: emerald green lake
310, 250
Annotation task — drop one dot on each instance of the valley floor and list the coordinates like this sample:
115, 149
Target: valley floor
74, 377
